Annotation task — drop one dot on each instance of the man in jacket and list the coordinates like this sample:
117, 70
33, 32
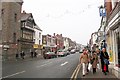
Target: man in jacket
84, 62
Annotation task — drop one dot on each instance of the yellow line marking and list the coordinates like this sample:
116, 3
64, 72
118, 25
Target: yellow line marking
77, 72
74, 72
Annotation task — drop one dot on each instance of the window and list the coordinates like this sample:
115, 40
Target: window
39, 35
29, 23
39, 41
33, 40
14, 37
15, 17
118, 45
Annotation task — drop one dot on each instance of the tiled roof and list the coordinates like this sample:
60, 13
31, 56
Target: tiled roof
25, 16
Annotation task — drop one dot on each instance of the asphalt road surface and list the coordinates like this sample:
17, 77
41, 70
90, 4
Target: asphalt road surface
61, 67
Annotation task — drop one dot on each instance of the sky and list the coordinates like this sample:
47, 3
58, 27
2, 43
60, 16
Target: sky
76, 19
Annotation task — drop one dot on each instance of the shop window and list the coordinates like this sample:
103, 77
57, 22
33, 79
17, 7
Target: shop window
118, 43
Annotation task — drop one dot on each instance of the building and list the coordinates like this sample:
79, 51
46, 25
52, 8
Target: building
10, 32
37, 36
112, 31
49, 42
66, 43
26, 41
59, 41
101, 34
93, 41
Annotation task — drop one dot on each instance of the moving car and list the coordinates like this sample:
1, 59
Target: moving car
49, 55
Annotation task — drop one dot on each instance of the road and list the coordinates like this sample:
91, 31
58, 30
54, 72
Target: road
61, 67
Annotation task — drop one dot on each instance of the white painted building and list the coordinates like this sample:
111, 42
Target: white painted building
66, 43
37, 36
93, 40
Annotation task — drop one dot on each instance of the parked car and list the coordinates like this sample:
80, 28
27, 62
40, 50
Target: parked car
49, 55
61, 53
72, 51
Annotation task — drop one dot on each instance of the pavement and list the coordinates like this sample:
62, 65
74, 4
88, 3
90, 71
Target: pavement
90, 76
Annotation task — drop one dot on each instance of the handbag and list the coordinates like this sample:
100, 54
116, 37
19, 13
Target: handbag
89, 66
106, 61
105, 68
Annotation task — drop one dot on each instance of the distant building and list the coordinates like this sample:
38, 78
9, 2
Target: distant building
10, 32
66, 43
59, 41
49, 42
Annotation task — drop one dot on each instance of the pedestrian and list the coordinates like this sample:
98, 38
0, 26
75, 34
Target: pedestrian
35, 54
94, 60
89, 56
104, 61
98, 53
17, 56
84, 62
31, 54
23, 54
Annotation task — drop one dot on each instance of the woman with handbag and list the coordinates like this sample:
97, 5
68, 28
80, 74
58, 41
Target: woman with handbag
104, 61
94, 61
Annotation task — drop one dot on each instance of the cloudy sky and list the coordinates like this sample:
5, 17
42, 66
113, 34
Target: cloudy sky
75, 19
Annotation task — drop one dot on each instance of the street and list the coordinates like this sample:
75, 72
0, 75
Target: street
61, 67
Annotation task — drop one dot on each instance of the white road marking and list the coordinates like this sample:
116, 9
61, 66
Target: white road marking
64, 63
43, 65
14, 74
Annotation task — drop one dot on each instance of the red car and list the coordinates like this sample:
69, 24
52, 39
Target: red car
49, 55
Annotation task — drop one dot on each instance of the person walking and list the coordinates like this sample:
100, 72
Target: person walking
99, 63
104, 61
84, 62
94, 60
31, 54
22, 54
35, 54
17, 56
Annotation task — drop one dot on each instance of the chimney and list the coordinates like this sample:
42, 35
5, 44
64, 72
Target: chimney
24, 12
53, 34
61, 35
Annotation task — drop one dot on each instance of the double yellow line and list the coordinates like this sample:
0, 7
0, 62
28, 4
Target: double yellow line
75, 73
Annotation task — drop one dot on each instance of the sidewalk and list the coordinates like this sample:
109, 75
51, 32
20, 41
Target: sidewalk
27, 58
97, 76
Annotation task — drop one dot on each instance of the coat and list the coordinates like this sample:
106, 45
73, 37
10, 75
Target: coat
104, 56
84, 58
95, 60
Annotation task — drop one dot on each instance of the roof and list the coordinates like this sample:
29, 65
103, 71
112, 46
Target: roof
25, 16
37, 27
